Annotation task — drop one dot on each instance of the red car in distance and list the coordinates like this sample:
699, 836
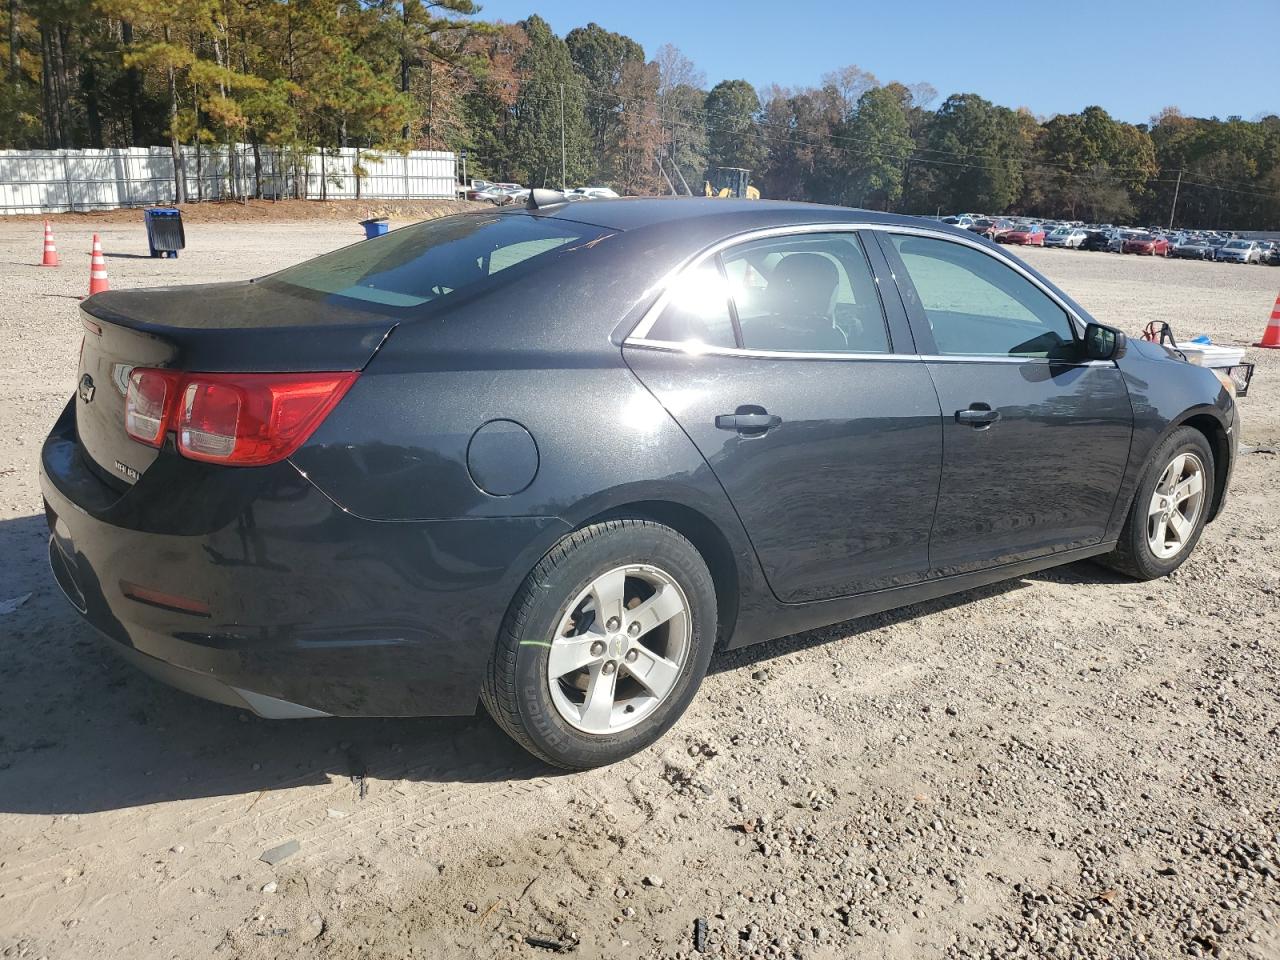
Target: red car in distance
1147, 244
1028, 236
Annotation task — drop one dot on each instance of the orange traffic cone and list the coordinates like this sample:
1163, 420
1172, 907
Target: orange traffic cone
97, 269
50, 251
1271, 336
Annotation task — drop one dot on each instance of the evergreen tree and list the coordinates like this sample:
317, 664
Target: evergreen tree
549, 127
602, 59
734, 137
878, 145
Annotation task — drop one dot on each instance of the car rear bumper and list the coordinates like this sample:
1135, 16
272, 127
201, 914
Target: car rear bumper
250, 587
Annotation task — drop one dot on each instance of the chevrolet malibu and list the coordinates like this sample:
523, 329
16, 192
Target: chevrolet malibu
551, 459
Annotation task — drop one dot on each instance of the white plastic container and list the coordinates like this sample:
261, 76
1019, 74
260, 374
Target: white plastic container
1212, 354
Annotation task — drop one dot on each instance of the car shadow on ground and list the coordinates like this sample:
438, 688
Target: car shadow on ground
82, 731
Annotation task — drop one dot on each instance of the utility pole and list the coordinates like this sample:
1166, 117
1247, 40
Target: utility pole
1174, 205
564, 180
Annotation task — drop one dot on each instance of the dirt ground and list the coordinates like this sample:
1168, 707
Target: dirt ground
1064, 765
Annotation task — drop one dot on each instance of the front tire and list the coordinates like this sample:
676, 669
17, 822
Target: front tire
1169, 510
604, 645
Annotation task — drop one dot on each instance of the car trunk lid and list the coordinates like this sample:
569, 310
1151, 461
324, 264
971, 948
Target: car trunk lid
208, 328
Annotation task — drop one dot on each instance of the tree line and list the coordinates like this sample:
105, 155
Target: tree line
295, 76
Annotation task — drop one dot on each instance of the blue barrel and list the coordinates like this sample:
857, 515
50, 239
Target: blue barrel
165, 235
374, 227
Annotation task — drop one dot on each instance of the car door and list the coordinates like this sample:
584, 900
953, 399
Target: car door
816, 416
1035, 437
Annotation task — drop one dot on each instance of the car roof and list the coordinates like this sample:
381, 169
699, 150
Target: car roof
632, 213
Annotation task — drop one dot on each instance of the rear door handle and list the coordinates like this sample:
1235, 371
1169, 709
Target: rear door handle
979, 416
750, 423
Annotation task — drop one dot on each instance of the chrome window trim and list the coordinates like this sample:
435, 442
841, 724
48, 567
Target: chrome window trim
701, 349
638, 335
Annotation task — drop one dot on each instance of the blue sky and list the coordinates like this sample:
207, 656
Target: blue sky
1133, 59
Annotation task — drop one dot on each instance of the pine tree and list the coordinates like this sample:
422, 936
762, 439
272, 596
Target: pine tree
549, 112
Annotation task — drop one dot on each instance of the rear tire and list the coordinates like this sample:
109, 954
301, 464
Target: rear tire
586, 671
1164, 526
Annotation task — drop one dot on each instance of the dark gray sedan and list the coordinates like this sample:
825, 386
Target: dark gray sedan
552, 458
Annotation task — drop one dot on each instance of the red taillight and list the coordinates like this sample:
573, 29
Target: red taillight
244, 419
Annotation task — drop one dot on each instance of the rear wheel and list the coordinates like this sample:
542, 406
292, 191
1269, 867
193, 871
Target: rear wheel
1169, 510
605, 644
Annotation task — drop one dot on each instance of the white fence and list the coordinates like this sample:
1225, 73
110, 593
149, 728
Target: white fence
52, 181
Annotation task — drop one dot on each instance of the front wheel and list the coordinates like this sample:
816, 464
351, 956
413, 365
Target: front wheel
605, 644
1169, 510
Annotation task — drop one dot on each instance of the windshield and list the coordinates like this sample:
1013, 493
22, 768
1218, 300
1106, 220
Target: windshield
1238, 245
430, 260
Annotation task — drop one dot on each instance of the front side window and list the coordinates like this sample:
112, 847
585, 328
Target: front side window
977, 305
810, 293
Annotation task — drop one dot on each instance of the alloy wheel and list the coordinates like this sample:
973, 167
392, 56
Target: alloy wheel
619, 649
1175, 506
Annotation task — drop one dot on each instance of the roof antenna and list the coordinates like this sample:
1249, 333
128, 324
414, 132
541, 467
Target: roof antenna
541, 197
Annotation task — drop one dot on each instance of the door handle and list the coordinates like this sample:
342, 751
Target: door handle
747, 423
979, 416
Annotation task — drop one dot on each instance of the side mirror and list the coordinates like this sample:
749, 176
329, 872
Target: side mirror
1102, 343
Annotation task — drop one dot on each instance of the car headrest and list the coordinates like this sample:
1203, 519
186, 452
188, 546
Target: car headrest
803, 285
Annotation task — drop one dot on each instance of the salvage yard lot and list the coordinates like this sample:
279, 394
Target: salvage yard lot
1068, 764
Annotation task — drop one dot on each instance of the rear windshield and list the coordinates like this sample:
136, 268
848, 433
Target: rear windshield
430, 260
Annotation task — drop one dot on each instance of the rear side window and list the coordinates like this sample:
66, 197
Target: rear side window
809, 293
977, 305
697, 311
430, 260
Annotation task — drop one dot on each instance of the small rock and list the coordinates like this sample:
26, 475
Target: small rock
269, 887
653, 880
282, 852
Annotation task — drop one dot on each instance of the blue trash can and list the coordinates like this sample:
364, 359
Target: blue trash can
165, 235
375, 227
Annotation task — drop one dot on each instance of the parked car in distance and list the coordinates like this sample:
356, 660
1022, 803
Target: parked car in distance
1146, 244
1266, 250
1096, 240
552, 458
1274, 259
1193, 249
1239, 251
964, 221
984, 226
1031, 235
1065, 237
591, 193
501, 194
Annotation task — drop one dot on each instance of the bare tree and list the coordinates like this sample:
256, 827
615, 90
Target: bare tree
849, 84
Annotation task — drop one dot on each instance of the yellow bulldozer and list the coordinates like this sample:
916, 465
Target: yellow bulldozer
730, 182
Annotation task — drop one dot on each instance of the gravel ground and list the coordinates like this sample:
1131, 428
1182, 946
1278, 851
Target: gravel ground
1065, 765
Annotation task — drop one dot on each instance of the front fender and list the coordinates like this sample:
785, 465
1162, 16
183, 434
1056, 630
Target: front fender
1167, 392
